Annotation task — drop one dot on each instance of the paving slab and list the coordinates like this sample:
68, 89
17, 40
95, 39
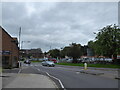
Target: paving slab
31, 81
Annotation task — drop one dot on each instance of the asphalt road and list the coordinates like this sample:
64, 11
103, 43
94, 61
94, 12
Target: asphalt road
72, 79
68, 76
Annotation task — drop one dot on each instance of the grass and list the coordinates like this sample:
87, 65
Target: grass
91, 65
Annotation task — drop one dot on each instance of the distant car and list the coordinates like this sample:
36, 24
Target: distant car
53, 59
69, 60
48, 63
27, 62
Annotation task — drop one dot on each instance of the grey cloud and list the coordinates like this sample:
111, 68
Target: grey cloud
57, 24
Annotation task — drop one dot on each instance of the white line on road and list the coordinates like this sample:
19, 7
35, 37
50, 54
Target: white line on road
56, 79
19, 71
38, 69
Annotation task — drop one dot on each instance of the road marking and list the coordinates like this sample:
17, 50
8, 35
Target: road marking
56, 79
19, 71
38, 69
77, 72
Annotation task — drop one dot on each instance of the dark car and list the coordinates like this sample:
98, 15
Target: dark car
48, 63
27, 62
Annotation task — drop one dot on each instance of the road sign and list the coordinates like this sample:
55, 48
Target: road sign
6, 52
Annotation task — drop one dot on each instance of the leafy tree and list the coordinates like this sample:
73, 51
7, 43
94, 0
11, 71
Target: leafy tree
84, 50
108, 41
95, 47
65, 51
55, 53
75, 51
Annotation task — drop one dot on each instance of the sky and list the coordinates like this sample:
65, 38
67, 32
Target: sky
50, 25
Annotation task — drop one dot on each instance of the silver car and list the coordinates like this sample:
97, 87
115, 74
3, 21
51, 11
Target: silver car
48, 63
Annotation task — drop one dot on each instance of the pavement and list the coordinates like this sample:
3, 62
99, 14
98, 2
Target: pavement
31, 81
21, 80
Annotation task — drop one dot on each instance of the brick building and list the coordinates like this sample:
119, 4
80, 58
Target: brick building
10, 50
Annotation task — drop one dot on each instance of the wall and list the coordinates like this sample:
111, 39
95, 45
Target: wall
10, 50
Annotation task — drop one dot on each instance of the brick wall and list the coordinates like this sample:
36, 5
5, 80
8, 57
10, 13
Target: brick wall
10, 50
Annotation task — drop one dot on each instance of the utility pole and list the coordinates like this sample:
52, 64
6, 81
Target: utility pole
50, 47
19, 36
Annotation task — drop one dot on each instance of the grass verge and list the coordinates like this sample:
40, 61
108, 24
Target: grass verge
91, 65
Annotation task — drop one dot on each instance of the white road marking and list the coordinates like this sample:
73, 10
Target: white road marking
38, 69
56, 79
19, 71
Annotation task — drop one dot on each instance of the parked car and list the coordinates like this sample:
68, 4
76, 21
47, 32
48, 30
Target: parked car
27, 62
48, 63
69, 60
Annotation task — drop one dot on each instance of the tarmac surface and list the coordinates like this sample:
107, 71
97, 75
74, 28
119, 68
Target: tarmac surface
16, 78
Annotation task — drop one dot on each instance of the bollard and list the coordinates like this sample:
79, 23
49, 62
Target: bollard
19, 64
85, 66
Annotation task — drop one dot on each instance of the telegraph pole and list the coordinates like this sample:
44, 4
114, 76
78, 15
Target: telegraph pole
50, 47
19, 36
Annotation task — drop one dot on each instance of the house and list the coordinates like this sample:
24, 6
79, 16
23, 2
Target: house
31, 53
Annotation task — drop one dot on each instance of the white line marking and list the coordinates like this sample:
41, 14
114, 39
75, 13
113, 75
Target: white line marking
56, 79
19, 71
38, 69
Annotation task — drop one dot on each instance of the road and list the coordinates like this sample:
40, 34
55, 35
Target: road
70, 78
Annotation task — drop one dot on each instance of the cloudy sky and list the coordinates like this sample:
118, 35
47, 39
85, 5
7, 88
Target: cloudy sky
57, 24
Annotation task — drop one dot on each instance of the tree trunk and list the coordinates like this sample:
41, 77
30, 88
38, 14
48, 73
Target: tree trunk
115, 58
74, 60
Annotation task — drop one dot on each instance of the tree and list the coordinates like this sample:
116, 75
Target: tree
84, 50
95, 47
55, 53
65, 51
108, 41
75, 51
